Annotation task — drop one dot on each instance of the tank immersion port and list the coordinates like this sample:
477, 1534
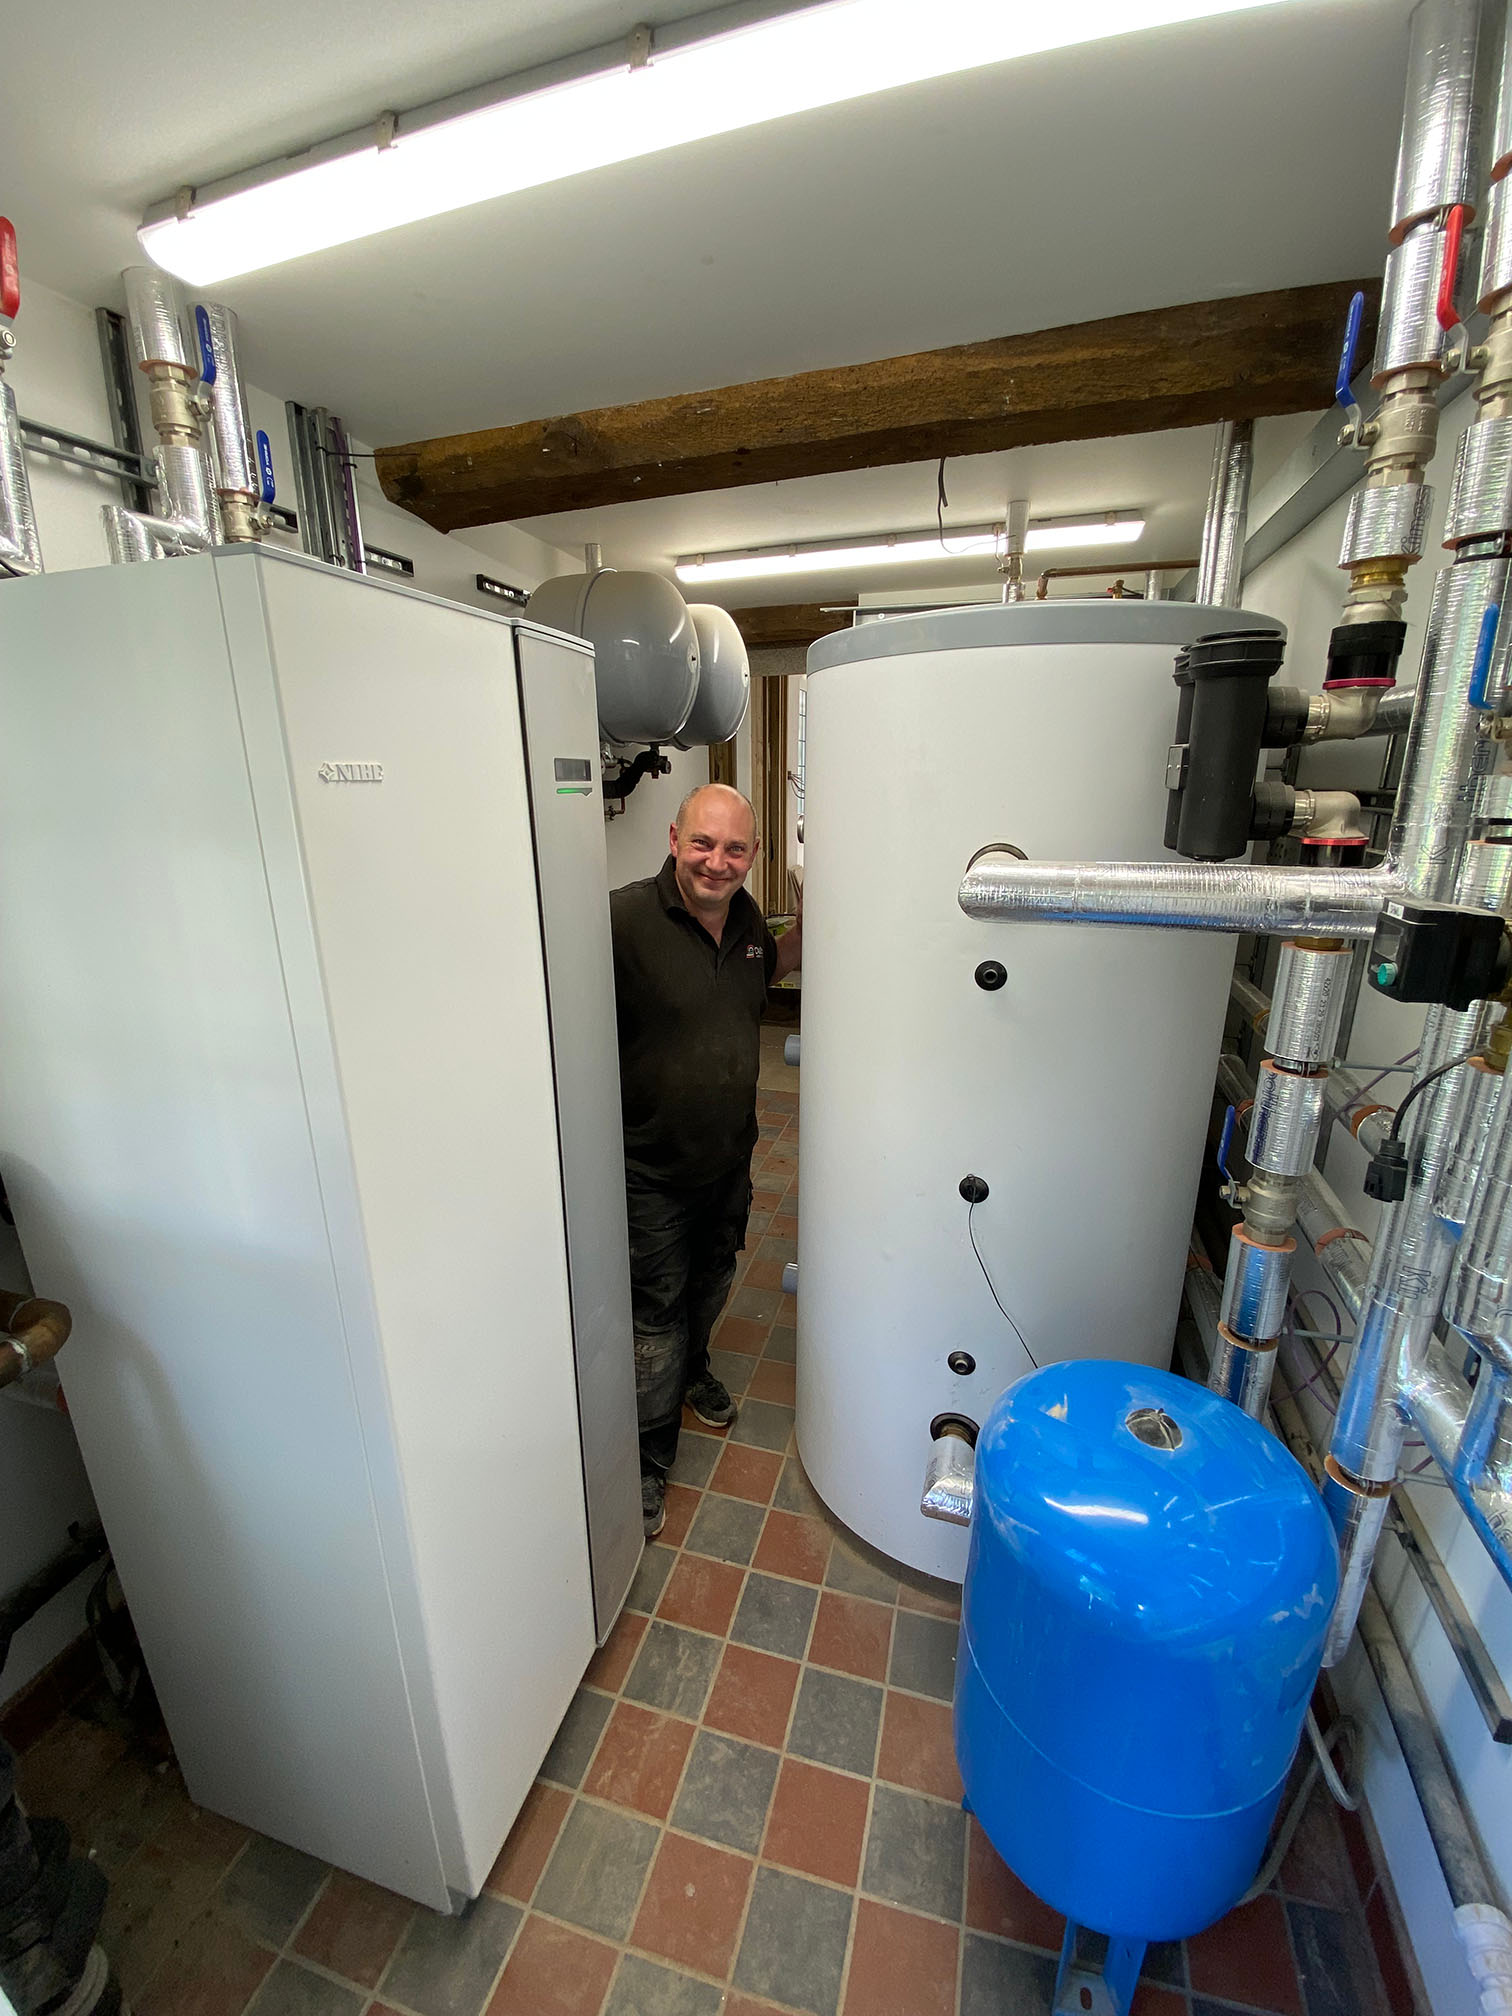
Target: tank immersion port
1154, 1427
962, 1362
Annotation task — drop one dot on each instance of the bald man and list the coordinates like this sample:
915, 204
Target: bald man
693, 959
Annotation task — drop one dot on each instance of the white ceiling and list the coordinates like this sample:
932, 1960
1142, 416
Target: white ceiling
1227, 156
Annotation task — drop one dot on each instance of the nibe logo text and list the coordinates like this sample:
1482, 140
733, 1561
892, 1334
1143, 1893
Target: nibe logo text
350, 773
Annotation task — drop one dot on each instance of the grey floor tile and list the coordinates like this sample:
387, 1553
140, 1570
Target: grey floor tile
923, 1655
782, 1344
860, 1570
655, 1566
575, 1741
793, 1950
446, 1966
596, 1870
270, 1888
726, 1528
292, 1990
759, 1304
1336, 1962
696, 1457
1001, 1980
795, 1493
641, 1989
775, 1616
733, 1367
778, 1246
726, 1791
1165, 1962
763, 1425
916, 1853
674, 1670
835, 1721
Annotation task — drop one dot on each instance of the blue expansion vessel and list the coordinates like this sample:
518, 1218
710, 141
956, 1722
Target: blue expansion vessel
1150, 1578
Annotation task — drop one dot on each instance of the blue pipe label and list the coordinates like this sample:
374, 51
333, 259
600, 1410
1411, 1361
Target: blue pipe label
207, 348
265, 465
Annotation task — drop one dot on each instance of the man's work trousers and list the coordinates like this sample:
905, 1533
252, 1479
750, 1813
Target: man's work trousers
683, 1244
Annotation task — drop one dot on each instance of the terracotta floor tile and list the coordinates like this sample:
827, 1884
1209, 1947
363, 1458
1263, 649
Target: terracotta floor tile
901, 1964
918, 1746
792, 1546
772, 1380
744, 1472
852, 1635
640, 1760
784, 1226
1152, 2001
742, 2005
702, 1593
355, 1926
741, 1333
752, 1695
764, 1274
162, 1889
682, 1503
214, 1970
817, 1823
766, 1197
694, 1901
554, 1972
531, 1839
1246, 1957
610, 1664
997, 1902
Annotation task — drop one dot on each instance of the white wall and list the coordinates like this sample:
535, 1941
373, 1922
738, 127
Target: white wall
637, 839
1302, 585
58, 377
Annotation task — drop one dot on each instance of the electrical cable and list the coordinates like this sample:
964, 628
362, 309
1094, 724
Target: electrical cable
1421, 1085
941, 502
1320, 1763
971, 1234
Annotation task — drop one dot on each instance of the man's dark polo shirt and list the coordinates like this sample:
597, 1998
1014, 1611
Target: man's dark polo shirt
689, 1030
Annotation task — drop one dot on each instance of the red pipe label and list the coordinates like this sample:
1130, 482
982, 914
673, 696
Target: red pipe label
10, 270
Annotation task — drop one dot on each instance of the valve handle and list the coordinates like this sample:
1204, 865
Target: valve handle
1480, 670
1352, 325
207, 348
10, 270
1454, 231
265, 466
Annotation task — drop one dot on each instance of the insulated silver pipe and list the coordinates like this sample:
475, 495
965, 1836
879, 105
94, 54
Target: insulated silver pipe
1393, 714
155, 321
1179, 896
238, 481
20, 544
190, 523
1221, 567
1435, 163
129, 536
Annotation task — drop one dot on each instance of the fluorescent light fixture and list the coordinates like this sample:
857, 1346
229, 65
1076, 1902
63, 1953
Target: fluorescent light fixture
725, 71
909, 548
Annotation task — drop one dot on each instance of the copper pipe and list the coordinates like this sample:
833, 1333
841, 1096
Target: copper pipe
1042, 586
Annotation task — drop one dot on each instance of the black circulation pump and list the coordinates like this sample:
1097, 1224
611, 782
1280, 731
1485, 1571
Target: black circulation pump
1222, 703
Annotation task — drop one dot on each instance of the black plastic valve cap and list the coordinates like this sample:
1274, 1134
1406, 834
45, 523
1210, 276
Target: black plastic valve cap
991, 975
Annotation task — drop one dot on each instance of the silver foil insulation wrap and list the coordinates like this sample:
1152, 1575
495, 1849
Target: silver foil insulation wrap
1496, 248
1436, 164
1480, 496
20, 546
1255, 1282
1409, 336
236, 456
1479, 1301
1447, 759
1283, 1135
1386, 521
153, 315
1307, 1004
1180, 896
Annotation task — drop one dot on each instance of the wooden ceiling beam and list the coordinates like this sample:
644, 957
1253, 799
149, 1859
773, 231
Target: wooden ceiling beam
789, 623
1237, 359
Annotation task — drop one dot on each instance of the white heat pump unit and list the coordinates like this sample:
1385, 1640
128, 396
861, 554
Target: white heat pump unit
309, 1108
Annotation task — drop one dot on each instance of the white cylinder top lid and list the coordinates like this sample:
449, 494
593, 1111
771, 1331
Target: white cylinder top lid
1101, 619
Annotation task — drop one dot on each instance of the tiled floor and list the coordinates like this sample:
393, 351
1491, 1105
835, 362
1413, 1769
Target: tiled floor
752, 1805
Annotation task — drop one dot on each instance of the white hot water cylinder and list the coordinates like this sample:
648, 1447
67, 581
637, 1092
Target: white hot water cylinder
1078, 1091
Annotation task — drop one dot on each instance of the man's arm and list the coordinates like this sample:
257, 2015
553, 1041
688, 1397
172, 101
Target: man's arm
32, 1330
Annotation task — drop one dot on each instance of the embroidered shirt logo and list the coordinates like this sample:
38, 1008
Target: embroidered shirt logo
350, 773
754, 951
